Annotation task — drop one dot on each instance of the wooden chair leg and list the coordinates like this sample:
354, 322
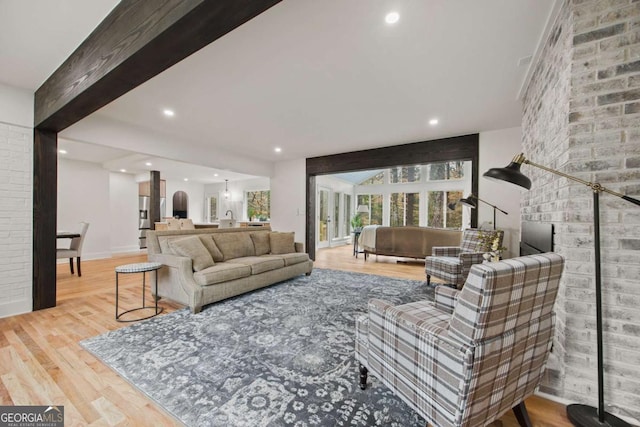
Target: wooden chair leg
520, 411
78, 262
71, 264
363, 376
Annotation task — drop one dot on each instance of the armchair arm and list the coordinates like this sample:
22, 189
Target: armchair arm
387, 320
446, 298
445, 251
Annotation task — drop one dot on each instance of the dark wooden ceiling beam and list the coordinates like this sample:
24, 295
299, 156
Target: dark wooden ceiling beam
138, 40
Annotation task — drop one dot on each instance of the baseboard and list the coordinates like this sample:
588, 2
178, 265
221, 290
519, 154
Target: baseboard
125, 249
87, 257
14, 308
566, 402
103, 255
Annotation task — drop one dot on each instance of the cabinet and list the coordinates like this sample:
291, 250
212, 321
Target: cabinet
144, 188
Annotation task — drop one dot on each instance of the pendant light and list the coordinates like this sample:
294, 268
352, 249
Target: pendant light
226, 189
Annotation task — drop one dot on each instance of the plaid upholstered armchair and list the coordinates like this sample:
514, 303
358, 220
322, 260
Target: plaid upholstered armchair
452, 263
473, 354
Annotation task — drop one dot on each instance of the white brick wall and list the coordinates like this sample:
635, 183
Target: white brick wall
582, 116
16, 172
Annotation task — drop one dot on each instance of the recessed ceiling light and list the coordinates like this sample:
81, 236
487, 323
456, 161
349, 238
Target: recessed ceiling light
277, 149
186, 179
148, 164
62, 151
392, 17
169, 113
433, 122
215, 174
123, 170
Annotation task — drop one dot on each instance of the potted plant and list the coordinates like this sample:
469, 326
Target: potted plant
356, 223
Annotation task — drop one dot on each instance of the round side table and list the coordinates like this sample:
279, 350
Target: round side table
142, 267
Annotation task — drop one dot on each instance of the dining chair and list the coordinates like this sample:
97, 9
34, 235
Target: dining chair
187, 224
75, 249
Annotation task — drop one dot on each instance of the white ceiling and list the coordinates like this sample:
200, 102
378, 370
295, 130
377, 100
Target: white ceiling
312, 77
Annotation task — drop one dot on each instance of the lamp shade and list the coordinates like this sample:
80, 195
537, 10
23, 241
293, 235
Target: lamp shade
468, 201
363, 209
511, 174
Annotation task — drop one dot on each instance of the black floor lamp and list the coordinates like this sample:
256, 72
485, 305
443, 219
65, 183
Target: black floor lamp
469, 201
579, 415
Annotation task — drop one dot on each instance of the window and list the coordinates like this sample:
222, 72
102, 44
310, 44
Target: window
374, 202
347, 214
259, 205
404, 209
438, 213
445, 171
213, 209
404, 174
374, 180
336, 214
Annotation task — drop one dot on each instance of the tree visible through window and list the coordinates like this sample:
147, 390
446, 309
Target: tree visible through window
404, 209
438, 212
213, 208
403, 174
446, 171
259, 205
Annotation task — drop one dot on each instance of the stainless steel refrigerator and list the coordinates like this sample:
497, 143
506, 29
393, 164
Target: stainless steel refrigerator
144, 222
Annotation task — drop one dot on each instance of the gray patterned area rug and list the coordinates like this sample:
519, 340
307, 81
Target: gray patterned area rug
278, 356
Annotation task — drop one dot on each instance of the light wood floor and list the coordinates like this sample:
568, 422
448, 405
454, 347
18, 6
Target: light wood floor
41, 362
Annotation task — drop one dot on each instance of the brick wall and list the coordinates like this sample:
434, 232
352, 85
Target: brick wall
582, 116
16, 161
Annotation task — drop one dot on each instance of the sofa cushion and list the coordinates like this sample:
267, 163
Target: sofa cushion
164, 245
211, 246
281, 242
261, 243
234, 245
292, 258
192, 247
260, 264
222, 272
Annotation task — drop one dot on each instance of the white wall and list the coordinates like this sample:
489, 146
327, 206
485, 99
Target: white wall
16, 200
288, 198
107, 201
194, 190
16, 106
123, 200
83, 195
497, 148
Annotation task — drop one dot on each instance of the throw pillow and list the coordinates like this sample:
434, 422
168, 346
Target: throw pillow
234, 244
282, 243
192, 247
208, 243
261, 243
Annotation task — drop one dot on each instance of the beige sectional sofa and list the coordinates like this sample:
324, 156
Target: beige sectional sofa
207, 265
